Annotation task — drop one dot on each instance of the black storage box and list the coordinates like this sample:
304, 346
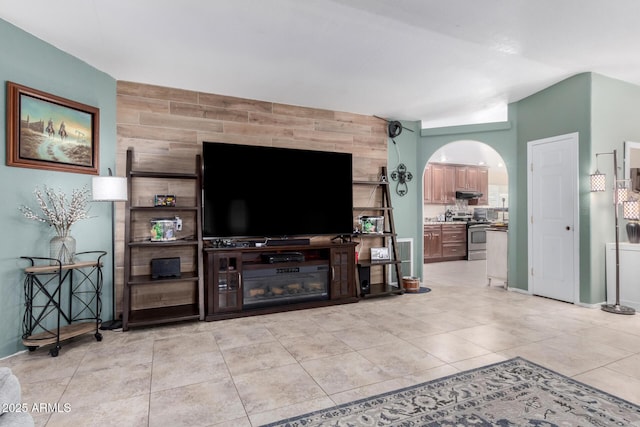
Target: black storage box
165, 267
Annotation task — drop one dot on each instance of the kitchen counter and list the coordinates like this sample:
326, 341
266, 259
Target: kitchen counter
445, 222
492, 226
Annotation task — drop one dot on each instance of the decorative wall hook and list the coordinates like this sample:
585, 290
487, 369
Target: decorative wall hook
402, 175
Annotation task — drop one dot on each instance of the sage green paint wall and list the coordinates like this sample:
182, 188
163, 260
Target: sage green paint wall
499, 136
406, 210
614, 111
560, 109
31, 62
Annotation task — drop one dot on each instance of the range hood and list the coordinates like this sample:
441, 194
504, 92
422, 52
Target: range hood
468, 195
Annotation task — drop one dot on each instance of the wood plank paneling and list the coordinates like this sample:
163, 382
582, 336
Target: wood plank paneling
130, 108
155, 92
209, 112
234, 103
307, 112
166, 128
180, 122
156, 133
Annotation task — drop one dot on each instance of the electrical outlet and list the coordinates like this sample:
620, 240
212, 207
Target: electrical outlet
178, 223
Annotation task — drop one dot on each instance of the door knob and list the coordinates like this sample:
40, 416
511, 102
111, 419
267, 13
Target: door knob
568, 228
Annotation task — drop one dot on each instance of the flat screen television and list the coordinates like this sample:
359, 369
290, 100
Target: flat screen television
269, 192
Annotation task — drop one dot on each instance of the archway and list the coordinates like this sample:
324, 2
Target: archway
465, 183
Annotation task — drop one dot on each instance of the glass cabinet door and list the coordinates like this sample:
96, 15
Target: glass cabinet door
227, 292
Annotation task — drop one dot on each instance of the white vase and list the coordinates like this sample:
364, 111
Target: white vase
62, 248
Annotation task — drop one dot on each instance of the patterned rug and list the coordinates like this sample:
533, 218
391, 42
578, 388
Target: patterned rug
515, 392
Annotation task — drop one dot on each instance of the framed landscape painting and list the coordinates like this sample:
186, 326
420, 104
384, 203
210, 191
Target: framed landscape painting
45, 131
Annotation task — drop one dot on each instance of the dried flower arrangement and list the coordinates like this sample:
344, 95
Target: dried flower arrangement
56, 211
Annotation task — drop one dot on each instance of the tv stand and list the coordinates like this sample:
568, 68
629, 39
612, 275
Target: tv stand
245, 281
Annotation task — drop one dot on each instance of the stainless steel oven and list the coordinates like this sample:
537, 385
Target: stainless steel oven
476, 241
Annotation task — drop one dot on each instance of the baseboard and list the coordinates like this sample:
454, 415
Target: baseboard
520, 291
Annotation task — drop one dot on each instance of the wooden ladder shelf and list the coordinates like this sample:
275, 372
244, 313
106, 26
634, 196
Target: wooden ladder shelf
368, 268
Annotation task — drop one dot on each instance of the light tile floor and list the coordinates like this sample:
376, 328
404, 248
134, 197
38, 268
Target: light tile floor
250, 371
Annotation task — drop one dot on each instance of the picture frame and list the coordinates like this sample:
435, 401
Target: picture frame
380, 254
45, 131
165, 200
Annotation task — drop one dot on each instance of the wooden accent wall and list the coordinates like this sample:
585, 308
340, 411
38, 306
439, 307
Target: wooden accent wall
166, 128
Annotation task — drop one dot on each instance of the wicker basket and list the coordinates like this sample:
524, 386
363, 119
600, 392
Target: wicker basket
411, 284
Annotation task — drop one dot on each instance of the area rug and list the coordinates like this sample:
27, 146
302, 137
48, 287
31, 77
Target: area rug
422, 290
515, 392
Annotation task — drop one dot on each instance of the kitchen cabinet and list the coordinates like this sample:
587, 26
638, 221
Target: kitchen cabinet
472, 178
467, 178
432, 242
461, 178
454, 240
483, 185
437, 184
427, 184
440, 184
441, 181
445, 242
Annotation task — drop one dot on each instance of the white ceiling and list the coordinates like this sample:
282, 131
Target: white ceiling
444, 62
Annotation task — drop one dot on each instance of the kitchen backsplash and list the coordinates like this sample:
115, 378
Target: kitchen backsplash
432, 212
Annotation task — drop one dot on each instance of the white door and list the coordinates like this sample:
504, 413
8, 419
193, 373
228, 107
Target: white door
553, 217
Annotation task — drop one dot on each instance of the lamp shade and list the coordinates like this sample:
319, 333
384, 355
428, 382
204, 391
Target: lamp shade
109, 188
598, 181
631, 210
621, 192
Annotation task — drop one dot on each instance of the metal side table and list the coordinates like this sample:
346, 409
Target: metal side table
62, 301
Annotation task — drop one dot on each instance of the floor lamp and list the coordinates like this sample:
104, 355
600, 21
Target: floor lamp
598, 183
110, 189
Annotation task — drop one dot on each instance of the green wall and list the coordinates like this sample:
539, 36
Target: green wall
500, 137
406, 209
560, 109
31, 62
614, 111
